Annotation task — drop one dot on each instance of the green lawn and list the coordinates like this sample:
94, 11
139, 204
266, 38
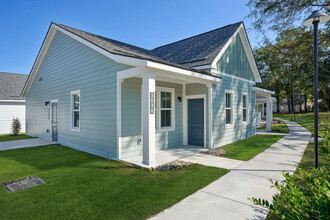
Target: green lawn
83, 186
307, 161
278, 126
306, 119
249, 148
10, 137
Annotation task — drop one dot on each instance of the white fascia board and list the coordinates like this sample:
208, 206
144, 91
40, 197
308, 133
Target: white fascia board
39, 59
263, 91
183, 72
11, 100
202, 67
241, 31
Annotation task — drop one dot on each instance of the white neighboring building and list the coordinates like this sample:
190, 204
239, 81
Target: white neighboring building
11, 103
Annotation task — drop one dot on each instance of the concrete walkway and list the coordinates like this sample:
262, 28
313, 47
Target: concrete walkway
227, 197
209, 160
26, 143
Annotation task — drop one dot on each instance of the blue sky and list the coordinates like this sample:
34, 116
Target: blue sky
144, 23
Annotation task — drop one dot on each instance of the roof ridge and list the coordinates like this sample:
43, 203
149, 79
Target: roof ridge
96, 35
14, 73
198, 35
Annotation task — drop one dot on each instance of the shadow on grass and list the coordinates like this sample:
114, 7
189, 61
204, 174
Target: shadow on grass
38, 157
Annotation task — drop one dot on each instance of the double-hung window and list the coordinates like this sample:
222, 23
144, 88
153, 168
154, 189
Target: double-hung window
229, 108
75, 110
245, 110
164, 103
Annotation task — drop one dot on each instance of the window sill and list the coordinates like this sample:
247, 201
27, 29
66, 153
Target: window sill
75, 129
244, 123
229, 125
165, 129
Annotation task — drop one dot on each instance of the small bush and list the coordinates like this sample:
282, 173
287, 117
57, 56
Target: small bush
15, 126
307, 200
325, 134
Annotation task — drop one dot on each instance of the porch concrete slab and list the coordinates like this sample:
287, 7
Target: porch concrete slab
270, 133
168, 155
26, 143
227, 197
209, 160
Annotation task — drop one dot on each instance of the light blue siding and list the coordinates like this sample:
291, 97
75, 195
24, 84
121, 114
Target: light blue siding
67, 66
234, 60
223, 134
131, 119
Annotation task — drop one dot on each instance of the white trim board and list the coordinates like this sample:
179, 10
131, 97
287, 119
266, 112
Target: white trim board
11, 100
263, 91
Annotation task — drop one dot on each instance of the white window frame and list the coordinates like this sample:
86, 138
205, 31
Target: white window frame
75, 92
158, 109
232, 107
247, 108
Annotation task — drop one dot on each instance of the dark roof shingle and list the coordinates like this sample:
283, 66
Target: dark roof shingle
11, 85
197, 50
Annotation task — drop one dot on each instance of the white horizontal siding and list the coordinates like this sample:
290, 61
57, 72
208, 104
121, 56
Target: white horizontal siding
9, 110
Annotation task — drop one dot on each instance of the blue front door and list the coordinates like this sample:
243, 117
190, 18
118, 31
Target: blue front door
196, 122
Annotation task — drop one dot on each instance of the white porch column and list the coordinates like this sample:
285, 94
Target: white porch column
148, 117
210, 137
262, 110
269, 113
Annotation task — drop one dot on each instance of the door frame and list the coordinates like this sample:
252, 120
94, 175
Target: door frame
185, 113
50, 118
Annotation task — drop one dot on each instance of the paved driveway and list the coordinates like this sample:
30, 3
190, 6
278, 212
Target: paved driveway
227, 197
34, 142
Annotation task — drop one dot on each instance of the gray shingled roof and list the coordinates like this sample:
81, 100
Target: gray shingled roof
197, 50
11, 85
120, 48
187, 53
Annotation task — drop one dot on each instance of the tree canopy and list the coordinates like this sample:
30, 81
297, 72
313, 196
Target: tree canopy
286, 62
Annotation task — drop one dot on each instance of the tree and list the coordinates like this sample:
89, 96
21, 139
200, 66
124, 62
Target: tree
292, 47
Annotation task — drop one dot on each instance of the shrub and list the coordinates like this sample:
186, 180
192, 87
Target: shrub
308, 200
325, 134
15, 126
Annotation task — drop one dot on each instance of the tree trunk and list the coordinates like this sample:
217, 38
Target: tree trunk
300, 103
292, 104
305, 99
288, 101
277, 100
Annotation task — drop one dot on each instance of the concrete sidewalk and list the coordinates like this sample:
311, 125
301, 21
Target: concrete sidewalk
26, 143
209, 160
227, 197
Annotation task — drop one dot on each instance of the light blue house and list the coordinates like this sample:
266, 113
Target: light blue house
120, 101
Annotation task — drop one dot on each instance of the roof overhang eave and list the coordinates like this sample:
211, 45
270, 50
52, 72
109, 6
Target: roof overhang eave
262, 91
131, 61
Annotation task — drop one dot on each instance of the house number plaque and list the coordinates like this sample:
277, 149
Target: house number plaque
152, 103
